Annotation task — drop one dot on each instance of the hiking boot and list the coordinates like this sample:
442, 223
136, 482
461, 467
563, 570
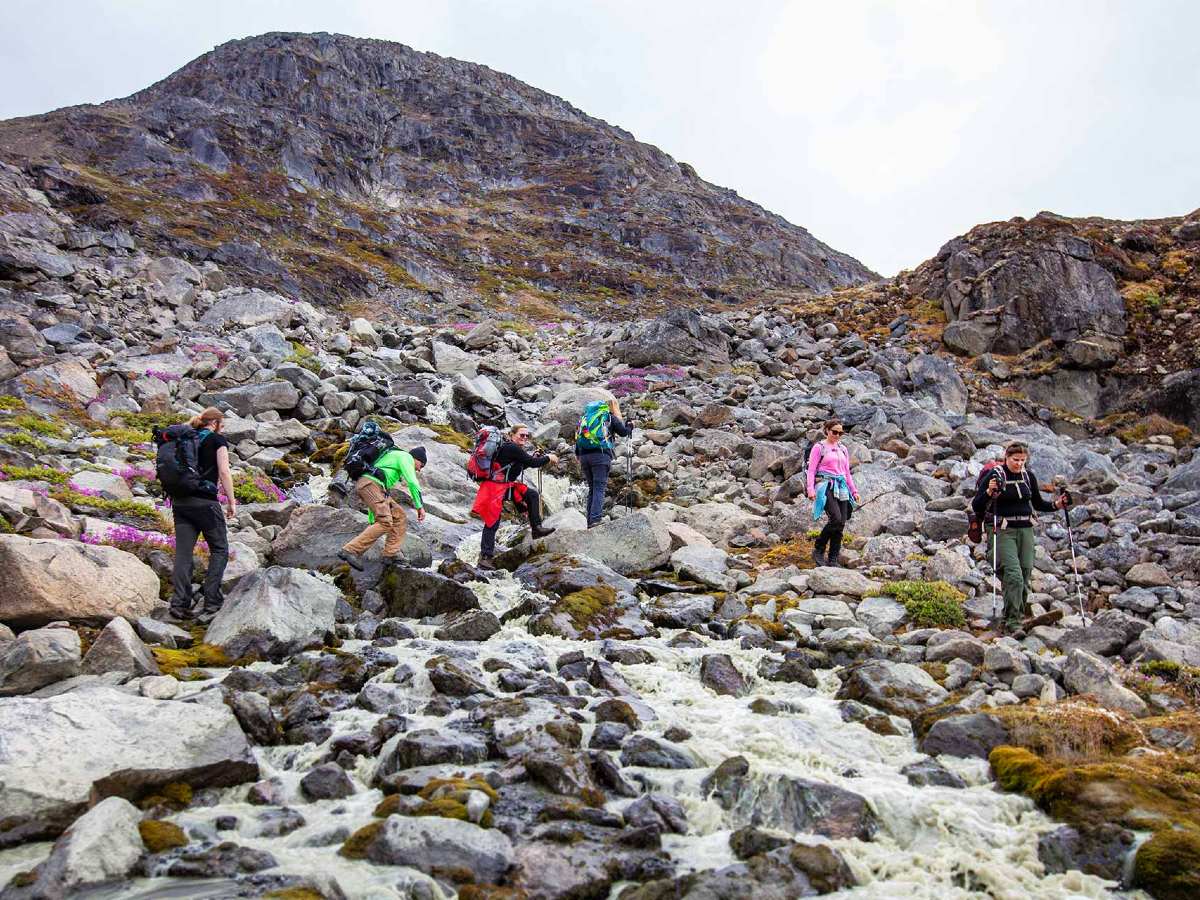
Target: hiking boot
350, 559
834, 562
486, 564
207, 615
394, 562
541, 532
819, 557
177, 616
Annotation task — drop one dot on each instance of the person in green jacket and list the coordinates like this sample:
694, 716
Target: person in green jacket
386, 515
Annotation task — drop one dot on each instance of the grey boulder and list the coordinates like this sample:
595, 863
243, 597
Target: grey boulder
274, 612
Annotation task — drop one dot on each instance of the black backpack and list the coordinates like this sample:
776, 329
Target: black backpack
808, 447
368, 444
177, 462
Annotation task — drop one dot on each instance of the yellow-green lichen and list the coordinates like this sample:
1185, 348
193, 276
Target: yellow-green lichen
159, 836
355, 846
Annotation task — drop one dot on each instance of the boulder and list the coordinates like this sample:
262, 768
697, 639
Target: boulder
971, 735
706, 565
719, 674
832, 581
119, 649
134, 745
274, 612
938, 378
47, 580
472, 625
568, 406
38, 658
434, 844
248, 307
450, 360
314, 535
1099, 850
71, 378
679, 610
103, 845
1086, 673
720, 521
1148, 575
632, 543
898, 688
415, 593
254, 398
682, 336
642, 750
931, 773
947, 645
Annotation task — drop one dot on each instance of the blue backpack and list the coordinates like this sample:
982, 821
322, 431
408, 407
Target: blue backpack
595, 427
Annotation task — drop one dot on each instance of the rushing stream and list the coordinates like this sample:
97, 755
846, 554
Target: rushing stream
933, 842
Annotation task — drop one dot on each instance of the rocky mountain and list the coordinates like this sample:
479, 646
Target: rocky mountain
341, 169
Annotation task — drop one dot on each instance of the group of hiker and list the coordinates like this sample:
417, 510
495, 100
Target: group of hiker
193, 464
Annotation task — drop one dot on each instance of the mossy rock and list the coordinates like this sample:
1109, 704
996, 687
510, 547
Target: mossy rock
490, 892
355, 846
447, 435
177, 795
1167, 866
437, 786
295, 893
1070, 731
198, 656
936, 604
158, 835
1146, 793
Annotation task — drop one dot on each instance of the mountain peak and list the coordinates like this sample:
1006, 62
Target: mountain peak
347, 168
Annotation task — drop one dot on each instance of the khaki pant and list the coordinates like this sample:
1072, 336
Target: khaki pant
1015, 549
389, 519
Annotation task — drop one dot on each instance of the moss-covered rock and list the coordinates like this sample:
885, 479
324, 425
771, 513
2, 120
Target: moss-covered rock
198, 656
159, 836
355, 846
1167, 866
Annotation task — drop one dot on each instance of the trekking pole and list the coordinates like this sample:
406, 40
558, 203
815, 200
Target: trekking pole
629, 475
996, 611
1062, 491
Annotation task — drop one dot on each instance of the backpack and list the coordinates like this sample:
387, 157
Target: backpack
366, 446
177, 461
481, 464
595, 427
808, 448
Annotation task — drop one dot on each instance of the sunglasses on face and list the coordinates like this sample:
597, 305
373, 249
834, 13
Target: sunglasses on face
522, 437
839, 432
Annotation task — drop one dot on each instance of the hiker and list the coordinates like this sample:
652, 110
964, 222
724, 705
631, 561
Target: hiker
1006, 496
198, 512
601, 419
385, 515
509, 464
833, 492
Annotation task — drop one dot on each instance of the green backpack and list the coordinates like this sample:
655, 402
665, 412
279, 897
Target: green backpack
594, 432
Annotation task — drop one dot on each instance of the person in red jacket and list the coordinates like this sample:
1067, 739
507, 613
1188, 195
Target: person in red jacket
513, 459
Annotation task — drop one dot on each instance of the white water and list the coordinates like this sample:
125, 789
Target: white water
932, 843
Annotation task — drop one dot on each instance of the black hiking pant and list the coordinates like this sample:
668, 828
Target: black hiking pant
531, 506
195, 516
596, 467
838, 513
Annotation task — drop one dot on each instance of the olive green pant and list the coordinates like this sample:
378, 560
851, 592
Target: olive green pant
1014, 565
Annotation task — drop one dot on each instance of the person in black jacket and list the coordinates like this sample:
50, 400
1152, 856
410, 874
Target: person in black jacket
596, 462
1005, 499
513, 459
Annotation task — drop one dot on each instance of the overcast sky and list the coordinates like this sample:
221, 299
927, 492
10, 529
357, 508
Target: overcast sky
885, 128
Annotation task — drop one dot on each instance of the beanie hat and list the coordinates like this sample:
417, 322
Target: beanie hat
418, 453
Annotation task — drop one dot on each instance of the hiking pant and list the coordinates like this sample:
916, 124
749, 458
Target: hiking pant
596, 467
1014, 564
838, 513
531, 505
195, 516
389, 519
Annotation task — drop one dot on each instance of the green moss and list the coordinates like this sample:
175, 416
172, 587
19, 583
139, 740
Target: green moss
23, 440
929, 603
198, 656
23, 879
1168, 865
123, 434
355, 846
295, 893
447, 435
246, 489
49, 426
8, 402
1068, 732
159, 836
136, 508
35, 473
437, 786
583, 606
177, 795
304, 358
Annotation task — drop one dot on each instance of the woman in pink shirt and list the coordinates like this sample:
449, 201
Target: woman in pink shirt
832, 490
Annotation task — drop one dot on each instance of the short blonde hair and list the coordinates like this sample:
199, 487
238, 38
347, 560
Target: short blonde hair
513, 431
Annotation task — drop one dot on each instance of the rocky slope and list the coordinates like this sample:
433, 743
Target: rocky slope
342, 169
673, 704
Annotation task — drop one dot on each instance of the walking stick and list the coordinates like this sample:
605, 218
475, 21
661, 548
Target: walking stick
996, 610
1061, 490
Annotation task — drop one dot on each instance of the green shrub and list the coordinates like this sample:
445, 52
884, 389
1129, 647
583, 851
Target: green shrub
23, 440
136, 508
44, 425
929, 603
124, 434
8, 402
35, 473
